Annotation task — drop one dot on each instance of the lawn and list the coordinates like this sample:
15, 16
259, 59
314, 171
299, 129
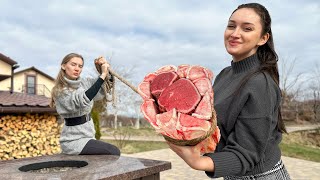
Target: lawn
300, 152
302, 144
131, 147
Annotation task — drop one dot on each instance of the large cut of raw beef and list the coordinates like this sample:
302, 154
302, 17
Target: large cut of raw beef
178, 103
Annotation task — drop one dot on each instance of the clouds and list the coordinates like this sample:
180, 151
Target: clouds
144, 34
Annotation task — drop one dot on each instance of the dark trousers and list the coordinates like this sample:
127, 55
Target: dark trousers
96, 147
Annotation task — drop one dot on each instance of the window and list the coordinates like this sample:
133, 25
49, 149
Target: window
31, 85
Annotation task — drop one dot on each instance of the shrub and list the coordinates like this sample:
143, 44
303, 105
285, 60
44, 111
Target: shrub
95, 117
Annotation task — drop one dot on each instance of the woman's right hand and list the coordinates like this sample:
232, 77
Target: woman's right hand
191, 155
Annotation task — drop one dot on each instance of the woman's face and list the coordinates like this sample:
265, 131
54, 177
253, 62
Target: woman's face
242, 36
73, 68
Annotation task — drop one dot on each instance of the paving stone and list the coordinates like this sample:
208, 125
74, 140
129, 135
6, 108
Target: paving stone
297, 168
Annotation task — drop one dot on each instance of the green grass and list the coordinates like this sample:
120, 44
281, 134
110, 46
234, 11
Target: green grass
302, 145
143, 131
131, 147
296, 145
300, 151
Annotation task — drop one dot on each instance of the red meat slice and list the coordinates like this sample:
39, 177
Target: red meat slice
196, 72
204, 108
182, 70
192, 127
209, 73
181, 95
150, 110
144, 90
168, 68
203, 85
162, 81
167, 122
144, 86
149, 77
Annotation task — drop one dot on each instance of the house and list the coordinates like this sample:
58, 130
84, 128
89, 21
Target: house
30, 80
7, 66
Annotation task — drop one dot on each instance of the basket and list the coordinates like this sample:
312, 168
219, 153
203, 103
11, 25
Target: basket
193, 142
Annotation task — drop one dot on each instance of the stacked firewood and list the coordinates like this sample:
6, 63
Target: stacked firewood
28, 135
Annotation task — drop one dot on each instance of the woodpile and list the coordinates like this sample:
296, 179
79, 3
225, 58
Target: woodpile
28, 135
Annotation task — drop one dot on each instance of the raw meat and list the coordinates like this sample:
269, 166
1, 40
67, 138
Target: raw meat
150, 110
182, 70
203, 85
181, 95
192, 127
204, 109
167, 123
178, 103
162, 81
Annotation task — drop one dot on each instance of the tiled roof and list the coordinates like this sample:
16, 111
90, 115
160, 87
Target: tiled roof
22, 102
2, 77
7, 59
37, 70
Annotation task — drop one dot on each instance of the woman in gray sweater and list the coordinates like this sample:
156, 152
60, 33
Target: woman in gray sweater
247, 102
73, 98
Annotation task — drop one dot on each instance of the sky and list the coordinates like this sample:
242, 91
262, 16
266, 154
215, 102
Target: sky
144, 35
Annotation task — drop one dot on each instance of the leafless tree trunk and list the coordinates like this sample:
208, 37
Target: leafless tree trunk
137, 110
115, 119
125, 97
289, 81
315, 88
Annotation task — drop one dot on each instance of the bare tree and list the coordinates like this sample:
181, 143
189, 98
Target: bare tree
290, 86
287, 79
315, 89
137, 105
125, 99
124, 96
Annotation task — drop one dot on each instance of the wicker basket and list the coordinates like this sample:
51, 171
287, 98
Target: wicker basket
195, 141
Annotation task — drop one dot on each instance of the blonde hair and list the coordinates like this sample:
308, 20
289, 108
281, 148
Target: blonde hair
60, 82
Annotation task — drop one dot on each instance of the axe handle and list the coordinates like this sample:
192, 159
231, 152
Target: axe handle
123, 80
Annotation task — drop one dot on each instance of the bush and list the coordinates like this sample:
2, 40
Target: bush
95, 117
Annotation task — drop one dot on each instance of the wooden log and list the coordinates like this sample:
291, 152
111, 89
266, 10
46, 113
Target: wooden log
28, 135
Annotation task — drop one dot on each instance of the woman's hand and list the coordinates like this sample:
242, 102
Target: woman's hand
104, 66
192, 156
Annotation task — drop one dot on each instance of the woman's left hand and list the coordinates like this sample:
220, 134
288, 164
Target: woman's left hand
192, 156
104, 66
101, 60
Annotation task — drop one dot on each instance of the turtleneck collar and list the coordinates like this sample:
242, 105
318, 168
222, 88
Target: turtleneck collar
245, 64
73, 83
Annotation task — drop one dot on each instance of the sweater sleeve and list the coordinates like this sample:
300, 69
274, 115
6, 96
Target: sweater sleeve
70, 101
93, 90
246, 144
101, 93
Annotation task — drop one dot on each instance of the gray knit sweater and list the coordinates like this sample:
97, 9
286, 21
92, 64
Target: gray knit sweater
73, 102
248, 121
